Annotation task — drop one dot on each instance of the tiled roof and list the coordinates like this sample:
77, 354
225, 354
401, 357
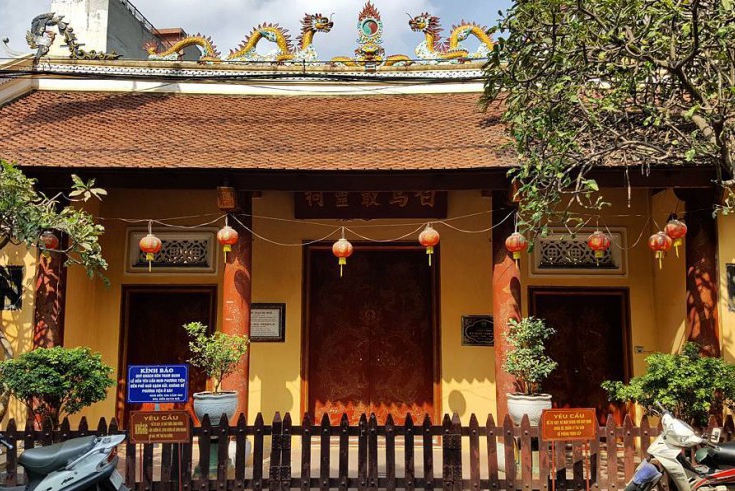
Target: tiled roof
370, 132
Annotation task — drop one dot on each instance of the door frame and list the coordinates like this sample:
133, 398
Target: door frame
126, 292
435, 324
621, 292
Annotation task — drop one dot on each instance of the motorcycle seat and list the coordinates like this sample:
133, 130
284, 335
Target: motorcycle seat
723, 454
44, 460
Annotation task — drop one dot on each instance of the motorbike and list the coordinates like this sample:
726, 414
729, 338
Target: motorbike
666, 456
78, 464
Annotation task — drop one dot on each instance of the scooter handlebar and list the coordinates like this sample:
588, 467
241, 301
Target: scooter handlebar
6, 443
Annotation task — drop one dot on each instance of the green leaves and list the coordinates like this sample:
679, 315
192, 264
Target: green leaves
217, 353
527, 359
610, 82
688, 384
26, 213
61, 380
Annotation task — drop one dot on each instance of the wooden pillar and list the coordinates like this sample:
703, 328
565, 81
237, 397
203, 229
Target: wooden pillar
48, 309
702, 280
506, 296
236, 297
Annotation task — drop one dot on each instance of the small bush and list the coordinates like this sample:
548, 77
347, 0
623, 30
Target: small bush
55, 382
688, 384
527, 360
217, 353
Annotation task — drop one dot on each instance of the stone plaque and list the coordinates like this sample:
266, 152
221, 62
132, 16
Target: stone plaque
477, 330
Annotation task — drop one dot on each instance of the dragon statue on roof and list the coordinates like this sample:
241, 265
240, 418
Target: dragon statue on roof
370, 41
310, 25
207, 50
41, 39
433, 50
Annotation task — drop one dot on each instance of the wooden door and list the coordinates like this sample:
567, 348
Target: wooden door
369, 336
152, 334
591, 345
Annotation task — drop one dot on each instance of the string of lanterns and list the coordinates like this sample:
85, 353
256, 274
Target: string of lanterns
599, 242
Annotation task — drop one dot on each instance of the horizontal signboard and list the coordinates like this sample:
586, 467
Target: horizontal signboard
160, 427
568, 424
158, 383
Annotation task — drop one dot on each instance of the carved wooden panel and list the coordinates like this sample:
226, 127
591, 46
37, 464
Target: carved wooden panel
589, 345
371, 335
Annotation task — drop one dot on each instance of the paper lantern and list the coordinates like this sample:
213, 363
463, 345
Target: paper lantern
151, 245
49, 240
227, 237
599, 243
516, 243
676, 229
429, 238
342, 249
660, 243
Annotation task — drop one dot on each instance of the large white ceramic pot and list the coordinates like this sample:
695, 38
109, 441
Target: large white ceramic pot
214, 404
520, 404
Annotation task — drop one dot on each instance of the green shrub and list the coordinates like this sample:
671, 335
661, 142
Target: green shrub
55, 382
217, 353
527, 360
688, 384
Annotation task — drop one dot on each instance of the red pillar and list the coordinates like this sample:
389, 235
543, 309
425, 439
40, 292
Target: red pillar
701, 266
236, 298
506, 296
48, 310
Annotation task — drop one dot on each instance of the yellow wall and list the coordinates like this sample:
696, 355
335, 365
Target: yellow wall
18, 324
467, 373
726, 254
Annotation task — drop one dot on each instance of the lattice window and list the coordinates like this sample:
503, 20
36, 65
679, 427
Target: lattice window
561, 254
181, 252
11, 287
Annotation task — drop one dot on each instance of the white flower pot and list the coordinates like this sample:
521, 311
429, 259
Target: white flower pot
520, 404
214, 405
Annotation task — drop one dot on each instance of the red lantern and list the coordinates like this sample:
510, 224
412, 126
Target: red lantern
599, 243
342, 249
429, 238
227, 236
49, 240
676, 229
660, 243
516, 244
151, 245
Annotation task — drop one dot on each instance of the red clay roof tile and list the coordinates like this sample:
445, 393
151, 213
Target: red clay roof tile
375, 132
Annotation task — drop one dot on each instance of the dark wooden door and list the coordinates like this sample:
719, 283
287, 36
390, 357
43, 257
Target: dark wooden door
591, 345
153, 334
370, 334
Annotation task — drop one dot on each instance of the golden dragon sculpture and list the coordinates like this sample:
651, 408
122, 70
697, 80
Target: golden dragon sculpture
310, 25
433, 50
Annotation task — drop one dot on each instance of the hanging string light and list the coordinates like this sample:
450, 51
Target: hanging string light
227, 237
342, 249
660, 243
599, 243
150, 244
515, 244
676, 229
429, 238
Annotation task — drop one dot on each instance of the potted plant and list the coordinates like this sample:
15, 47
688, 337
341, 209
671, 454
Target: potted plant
218, 354
55, 382
528, 362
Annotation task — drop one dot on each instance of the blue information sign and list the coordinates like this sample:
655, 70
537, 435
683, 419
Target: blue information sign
158, 383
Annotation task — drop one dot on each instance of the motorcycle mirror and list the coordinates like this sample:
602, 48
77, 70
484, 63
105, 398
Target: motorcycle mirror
715, 436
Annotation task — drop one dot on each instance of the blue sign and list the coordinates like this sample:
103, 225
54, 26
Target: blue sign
158, 383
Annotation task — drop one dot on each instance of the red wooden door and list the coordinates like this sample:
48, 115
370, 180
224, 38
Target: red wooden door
590, 345
153, 334
370, 334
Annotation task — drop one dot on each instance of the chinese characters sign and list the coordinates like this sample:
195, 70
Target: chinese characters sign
371, 204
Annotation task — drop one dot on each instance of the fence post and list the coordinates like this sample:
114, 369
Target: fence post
258, 453
240, 451
325, 437
428, 450
510, 462
526, 456
223, 447
492, 452
285, 476
344, 441
390, 454
373, 452
628, 448
612, 453
544, 461
306, 453
274, 467
64, 430
409, 453
362, 445
11, 435
474, 453
447, 454
205, 446
456, 453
